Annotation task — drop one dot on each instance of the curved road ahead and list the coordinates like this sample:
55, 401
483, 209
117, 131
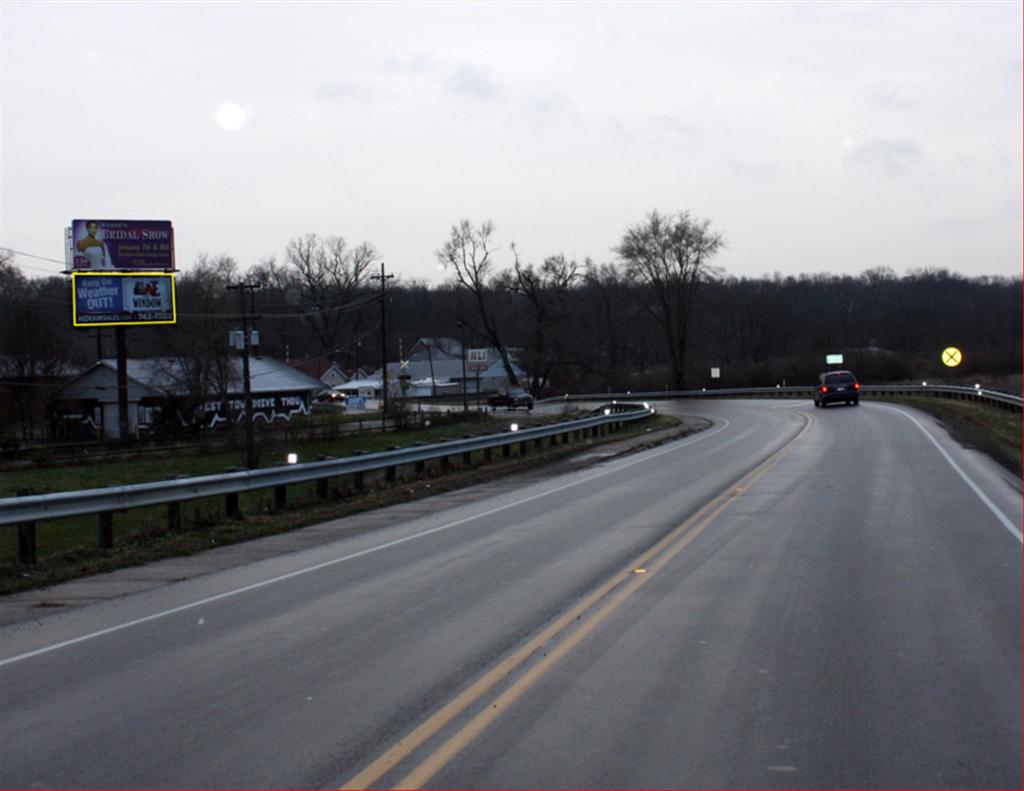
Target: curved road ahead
790, 598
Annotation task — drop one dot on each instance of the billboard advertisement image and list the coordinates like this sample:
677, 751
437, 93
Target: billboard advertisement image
111, 245
114, 298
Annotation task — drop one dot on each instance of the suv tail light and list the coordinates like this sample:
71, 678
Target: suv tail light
856, 385
824, 389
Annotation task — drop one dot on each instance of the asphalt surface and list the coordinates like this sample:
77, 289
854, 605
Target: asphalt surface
791, 598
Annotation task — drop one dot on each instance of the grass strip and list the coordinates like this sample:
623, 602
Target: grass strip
67, 548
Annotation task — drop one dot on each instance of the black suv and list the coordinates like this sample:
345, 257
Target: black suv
512, 398
837, 386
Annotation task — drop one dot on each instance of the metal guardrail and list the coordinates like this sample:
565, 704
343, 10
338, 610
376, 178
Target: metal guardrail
980, 394
26, 511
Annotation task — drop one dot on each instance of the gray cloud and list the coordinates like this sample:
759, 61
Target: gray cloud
338, 91
956, 226
755, 171
544, 109
473, 80
420, 63
673, 127
886, 96
895, 157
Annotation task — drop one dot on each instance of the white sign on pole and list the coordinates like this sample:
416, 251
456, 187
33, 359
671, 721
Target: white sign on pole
477, 360
716, 373
833, 359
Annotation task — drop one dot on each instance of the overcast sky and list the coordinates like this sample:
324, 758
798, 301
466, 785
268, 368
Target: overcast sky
816, 137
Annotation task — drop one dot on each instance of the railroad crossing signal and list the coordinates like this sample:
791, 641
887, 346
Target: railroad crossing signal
951, 357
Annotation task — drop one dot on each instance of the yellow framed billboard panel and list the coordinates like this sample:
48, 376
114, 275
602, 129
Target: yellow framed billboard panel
123, 299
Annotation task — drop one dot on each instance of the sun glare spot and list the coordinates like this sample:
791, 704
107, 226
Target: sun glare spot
231, 117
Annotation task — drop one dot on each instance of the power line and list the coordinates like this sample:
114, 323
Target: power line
32, 255
33, 268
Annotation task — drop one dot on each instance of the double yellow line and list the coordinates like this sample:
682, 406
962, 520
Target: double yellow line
610, 596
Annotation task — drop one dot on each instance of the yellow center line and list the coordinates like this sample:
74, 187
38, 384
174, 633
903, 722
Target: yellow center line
664, 550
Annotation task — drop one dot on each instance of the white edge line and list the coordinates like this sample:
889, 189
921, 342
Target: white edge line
974, 487
273, 580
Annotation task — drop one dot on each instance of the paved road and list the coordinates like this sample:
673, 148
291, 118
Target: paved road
791, 598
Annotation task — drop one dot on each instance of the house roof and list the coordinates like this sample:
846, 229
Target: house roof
445, 370
318, 367
357, 384
164, 376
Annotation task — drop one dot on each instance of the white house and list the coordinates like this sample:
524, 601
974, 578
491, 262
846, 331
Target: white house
279, 393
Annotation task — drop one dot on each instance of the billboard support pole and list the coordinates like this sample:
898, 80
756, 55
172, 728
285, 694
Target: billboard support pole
122, 384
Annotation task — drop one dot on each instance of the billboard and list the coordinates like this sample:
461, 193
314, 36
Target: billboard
111, 245
113, 298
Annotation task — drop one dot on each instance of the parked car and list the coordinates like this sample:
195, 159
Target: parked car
329, 397
836, 386
512, 398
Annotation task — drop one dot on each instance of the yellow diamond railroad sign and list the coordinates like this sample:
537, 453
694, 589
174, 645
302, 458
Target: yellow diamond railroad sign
951, 357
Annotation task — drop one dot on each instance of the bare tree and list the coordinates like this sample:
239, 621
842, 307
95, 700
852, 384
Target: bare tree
546, 291
468, 253
34, 334
329, 274
670, 257
203, 365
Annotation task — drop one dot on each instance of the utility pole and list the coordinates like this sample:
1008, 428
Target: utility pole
250, 439
462, 330
383, 278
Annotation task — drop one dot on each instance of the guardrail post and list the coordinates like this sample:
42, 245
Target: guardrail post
506, 451
26, 536
391, 473
358, 478
321, 488
280, 496
467, 458
539, 443
106, 530
421, 465
231, 508
173, 517
524, 447
174, 510
445, 464
488, 455
27, 543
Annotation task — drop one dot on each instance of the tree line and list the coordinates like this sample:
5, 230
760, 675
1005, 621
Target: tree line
658, 315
